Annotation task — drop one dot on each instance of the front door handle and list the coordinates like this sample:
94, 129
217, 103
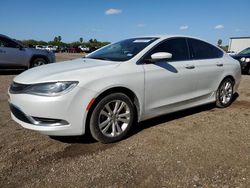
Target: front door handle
189, 66
219, 64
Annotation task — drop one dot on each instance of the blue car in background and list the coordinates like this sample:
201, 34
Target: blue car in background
14, 55
244, 58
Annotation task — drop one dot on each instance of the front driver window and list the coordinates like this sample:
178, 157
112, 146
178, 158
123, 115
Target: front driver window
176, 46
7, 43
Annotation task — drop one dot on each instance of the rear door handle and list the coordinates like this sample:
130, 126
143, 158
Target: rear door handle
219, 64
189, 66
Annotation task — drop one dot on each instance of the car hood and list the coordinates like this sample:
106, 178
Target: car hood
74, 70
238, 56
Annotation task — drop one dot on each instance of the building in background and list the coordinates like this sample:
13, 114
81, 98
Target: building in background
237, 44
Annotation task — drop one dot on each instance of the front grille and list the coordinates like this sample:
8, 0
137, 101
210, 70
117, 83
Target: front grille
38, 121
16, 88
19, 114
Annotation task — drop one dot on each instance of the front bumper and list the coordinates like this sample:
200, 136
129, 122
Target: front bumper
55, 116
244, 66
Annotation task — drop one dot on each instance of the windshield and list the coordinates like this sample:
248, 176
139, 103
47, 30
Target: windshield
245, 51
123, 50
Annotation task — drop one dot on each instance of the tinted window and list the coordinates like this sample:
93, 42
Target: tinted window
203, 50
177, 47
245, 51
7, 43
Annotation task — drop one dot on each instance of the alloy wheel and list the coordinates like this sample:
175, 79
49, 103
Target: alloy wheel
114, 118
38, 63
226, 92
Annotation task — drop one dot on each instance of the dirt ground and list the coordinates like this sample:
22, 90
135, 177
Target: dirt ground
201, 147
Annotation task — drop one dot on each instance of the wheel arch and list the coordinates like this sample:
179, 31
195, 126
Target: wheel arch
37, 56
117, 89
225, 77
229, 76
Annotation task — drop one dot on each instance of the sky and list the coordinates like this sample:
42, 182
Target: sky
113, 20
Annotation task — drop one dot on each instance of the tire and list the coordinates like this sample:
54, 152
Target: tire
38, 62
248, 71
112, 118
224, 94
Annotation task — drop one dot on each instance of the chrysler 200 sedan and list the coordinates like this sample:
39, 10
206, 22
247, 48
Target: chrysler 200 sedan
122, 83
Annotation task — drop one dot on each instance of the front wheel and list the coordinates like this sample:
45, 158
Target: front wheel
38, 62
112, 118
224, 94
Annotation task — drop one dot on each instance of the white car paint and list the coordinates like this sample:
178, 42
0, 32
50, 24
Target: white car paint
159, 87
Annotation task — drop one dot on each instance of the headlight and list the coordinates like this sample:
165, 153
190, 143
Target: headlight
51, 89
247, 60
242, 59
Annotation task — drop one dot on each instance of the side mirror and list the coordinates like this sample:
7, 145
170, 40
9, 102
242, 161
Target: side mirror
161, 56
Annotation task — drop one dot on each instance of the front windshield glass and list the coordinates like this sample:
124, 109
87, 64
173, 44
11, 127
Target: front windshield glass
245, 52
123, 50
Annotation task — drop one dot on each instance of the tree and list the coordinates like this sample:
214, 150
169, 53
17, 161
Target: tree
219, 42
56, 39
59, 38
92, 43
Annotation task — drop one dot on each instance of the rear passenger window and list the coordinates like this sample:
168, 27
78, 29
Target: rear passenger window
176, 46
203, 50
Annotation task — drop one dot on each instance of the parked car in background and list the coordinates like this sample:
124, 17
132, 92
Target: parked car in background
92, 49
122, 83
84, 48
14, 55
231, 53
62, 49
244, 58
74, 49
40, 47
51, 48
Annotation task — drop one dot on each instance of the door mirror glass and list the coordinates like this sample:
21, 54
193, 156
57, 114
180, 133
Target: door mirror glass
161, 56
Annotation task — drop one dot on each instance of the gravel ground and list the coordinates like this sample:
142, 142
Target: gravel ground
201, 147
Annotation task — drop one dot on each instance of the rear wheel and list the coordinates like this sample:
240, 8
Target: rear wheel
38, 62
224, 94
112, 118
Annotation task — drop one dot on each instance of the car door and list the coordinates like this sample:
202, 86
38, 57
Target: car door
208, 63
169, 84
11, 55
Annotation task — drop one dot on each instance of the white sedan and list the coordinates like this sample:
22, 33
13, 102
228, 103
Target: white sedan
123, 83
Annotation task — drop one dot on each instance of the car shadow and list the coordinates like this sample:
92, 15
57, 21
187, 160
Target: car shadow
173, 116
167, 66
85, 139
170, 117
138, 127
11, 72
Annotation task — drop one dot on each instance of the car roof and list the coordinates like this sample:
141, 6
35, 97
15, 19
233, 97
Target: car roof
169, 36
1, 35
